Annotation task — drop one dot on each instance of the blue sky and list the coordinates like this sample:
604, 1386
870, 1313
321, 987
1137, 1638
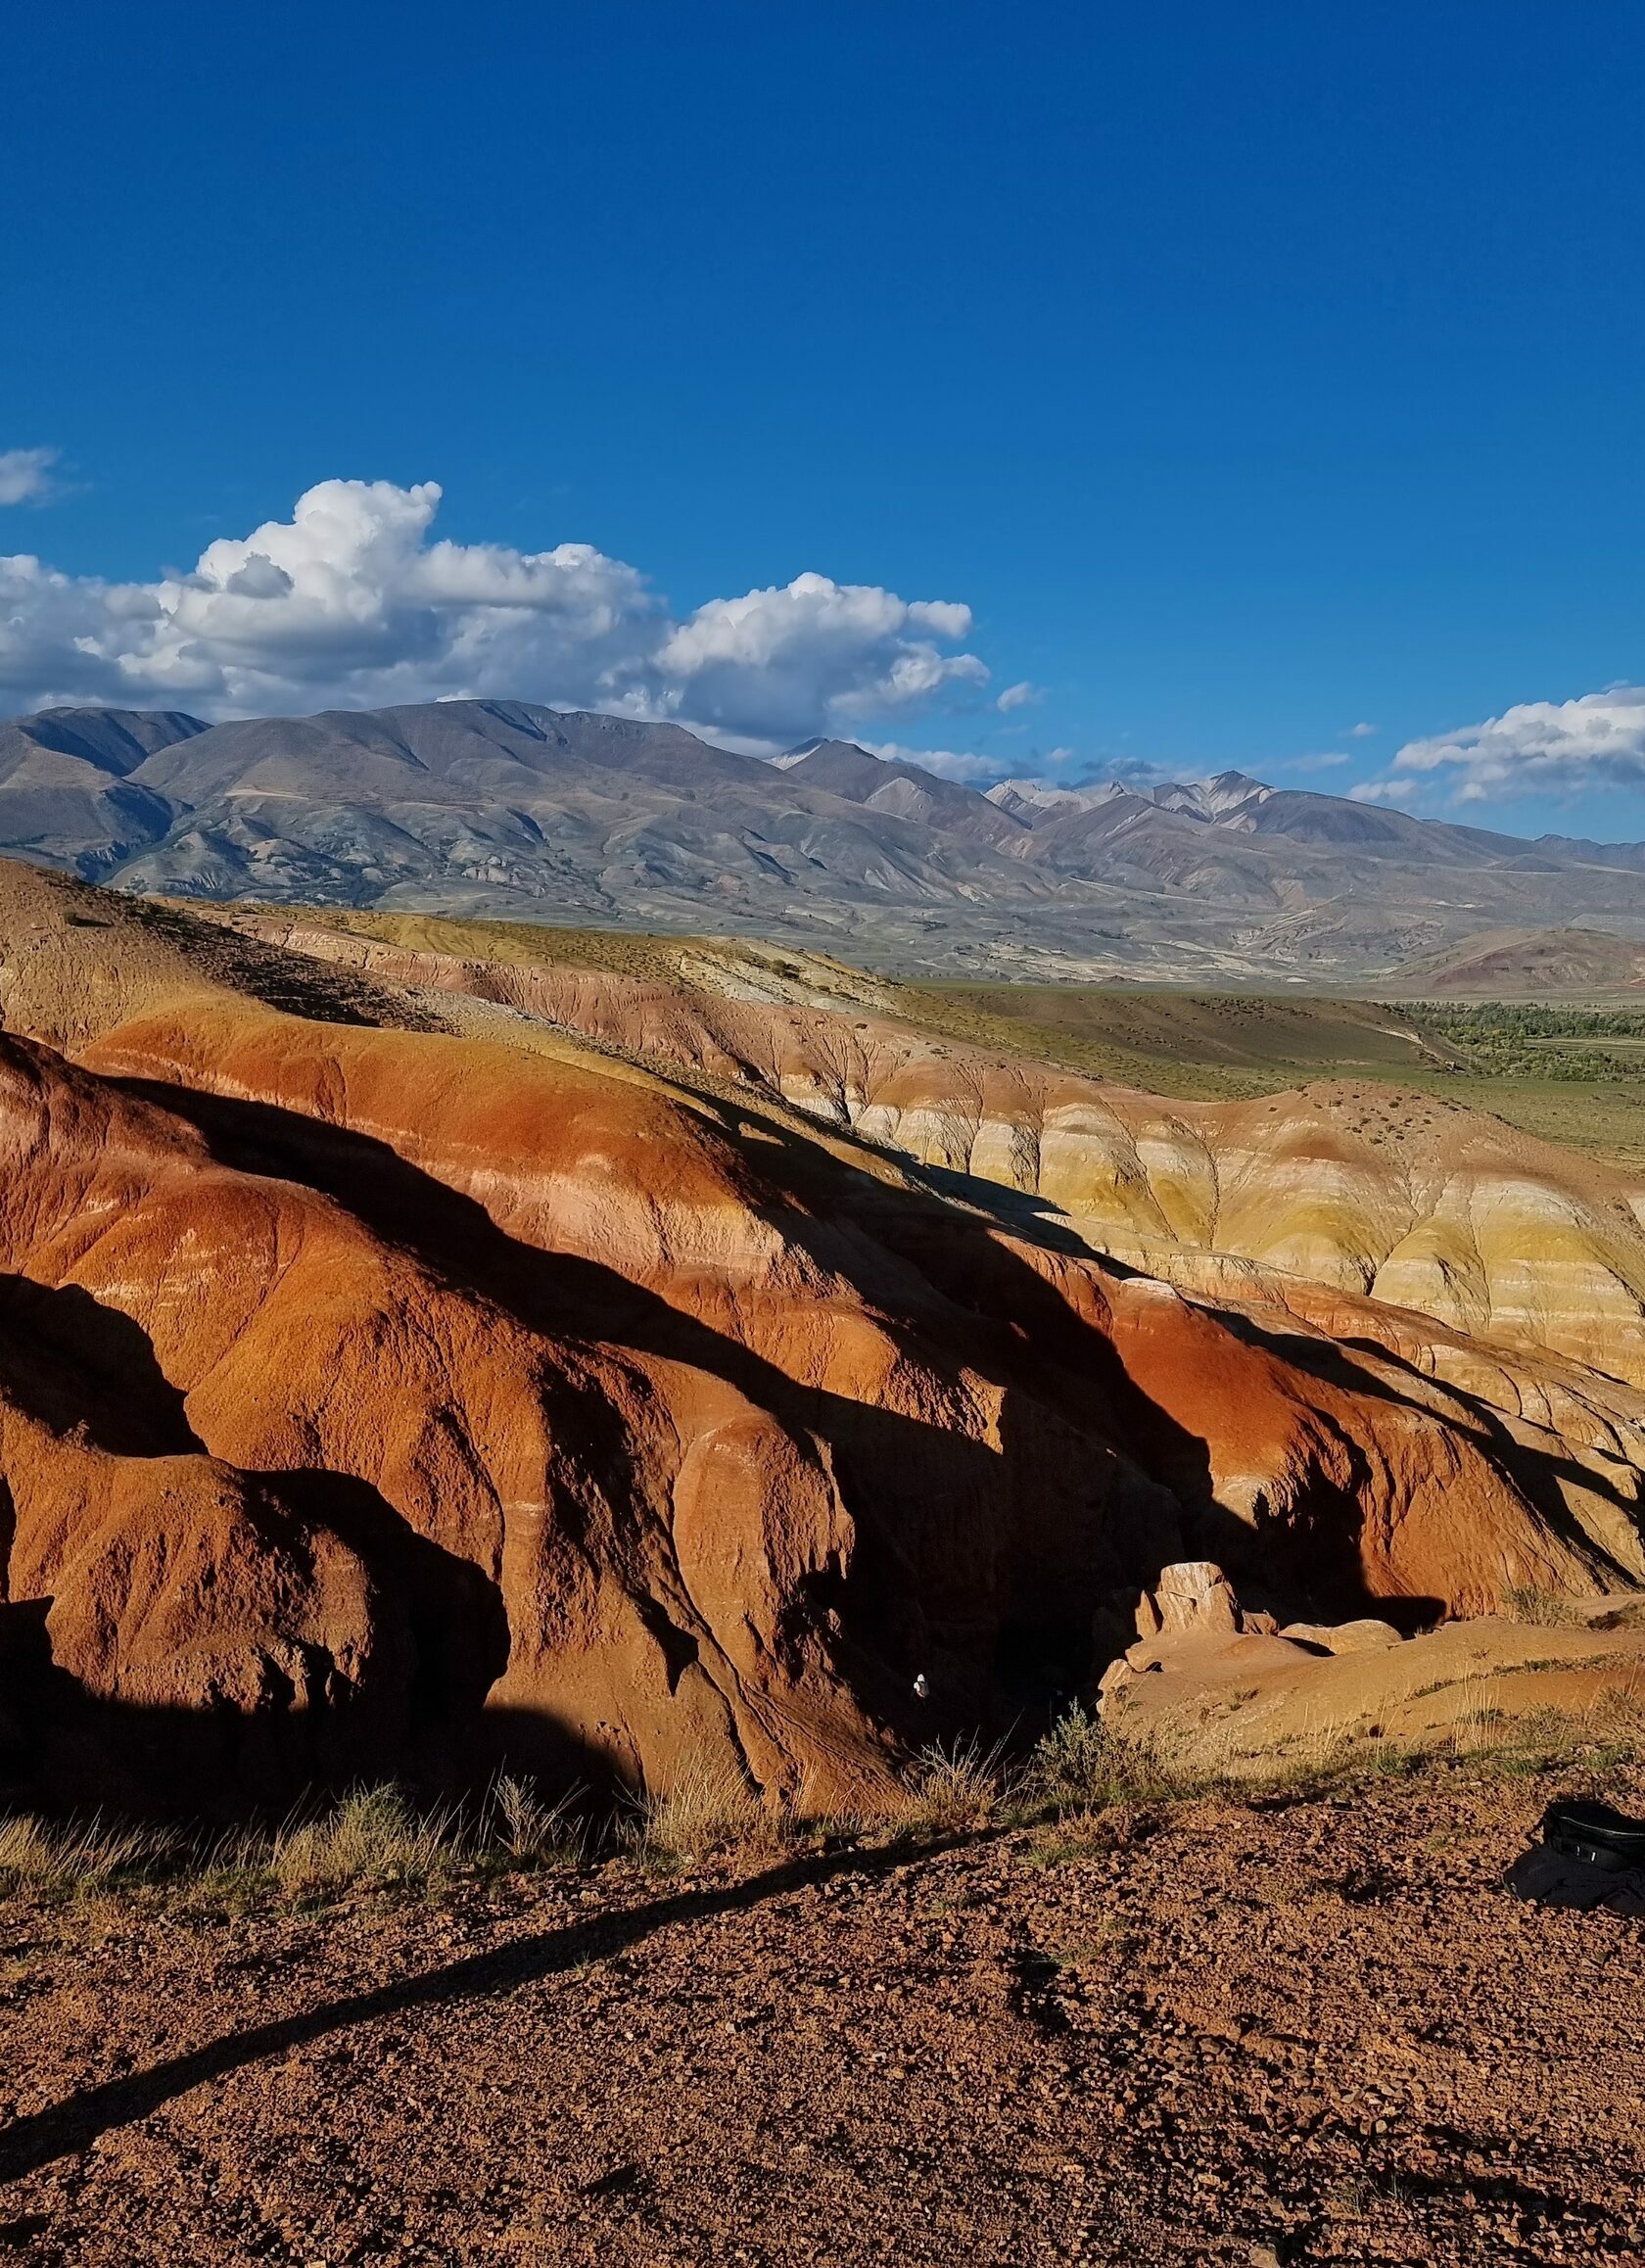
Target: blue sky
1248, 372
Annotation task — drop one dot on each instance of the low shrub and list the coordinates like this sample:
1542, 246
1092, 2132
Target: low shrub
1082, 1765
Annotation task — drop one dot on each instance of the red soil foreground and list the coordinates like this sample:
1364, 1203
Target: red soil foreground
1317, 2030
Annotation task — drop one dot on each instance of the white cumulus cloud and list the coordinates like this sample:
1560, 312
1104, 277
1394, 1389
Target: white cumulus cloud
772, 661
351, 603
1399, 791
26, 475
1538, 747
1017, 696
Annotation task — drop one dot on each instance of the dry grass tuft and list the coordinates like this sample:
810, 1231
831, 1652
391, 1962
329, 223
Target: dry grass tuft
84, 1856
708, 1805
1614, 1719
372, 1836
532, 1832
1527, 1602
954, 1790
1477, 1714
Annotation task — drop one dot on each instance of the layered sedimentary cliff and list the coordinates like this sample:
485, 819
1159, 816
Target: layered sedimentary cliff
1410, 1200
375, 1396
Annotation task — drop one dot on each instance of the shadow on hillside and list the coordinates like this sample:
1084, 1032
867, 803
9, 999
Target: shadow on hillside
967, 1553
1537, 1472
985, 1567
325, 992
415, 1717
78, 1366
954, 1282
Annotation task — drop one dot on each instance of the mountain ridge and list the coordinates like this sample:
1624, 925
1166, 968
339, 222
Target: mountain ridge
509, 807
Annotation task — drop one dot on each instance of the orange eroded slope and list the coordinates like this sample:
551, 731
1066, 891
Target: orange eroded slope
1416, 1202
382, 1398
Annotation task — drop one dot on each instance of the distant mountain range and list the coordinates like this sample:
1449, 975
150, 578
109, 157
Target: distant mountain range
503, 808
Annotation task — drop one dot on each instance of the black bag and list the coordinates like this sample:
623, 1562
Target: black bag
1596, 1833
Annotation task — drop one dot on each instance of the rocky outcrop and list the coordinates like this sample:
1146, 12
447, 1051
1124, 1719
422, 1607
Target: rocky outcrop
1193, 1598
1192, 1627
1366, 1634
1230, 1705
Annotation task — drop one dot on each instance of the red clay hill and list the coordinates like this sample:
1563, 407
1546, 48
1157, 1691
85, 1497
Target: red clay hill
385, 1385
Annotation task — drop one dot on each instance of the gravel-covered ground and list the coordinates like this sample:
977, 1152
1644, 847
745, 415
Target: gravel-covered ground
1318, 2029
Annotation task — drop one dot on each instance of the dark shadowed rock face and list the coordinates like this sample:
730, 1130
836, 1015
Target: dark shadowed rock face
507, 807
